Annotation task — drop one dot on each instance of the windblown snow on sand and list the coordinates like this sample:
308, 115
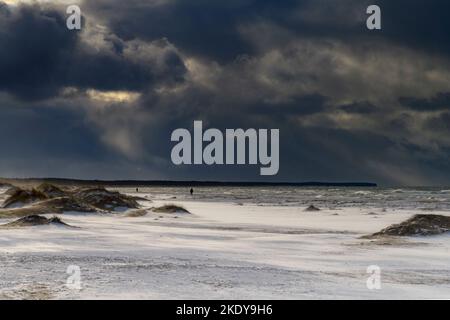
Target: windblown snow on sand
222, 250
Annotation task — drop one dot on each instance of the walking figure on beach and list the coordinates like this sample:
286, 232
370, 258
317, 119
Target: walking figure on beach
192, 191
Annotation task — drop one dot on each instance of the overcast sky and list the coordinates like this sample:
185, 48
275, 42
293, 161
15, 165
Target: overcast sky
351, 104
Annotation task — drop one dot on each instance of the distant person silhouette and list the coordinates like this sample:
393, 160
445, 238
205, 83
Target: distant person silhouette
137, 190
192, 191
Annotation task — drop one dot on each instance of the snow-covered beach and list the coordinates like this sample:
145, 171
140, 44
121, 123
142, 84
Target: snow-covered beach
226, 250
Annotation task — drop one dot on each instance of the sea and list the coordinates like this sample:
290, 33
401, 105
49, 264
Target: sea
415, 198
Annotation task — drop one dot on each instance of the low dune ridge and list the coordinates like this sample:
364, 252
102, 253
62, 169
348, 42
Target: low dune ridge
312, 208
19, 197
418, 225
170, 208
56, 205
47, 198
11, 190
104, 199
50, 190
34, 220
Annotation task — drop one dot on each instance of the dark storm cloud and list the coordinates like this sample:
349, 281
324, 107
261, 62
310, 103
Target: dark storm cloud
47, 131
359, 108
306, 153
33, 48
57, 140
43, 140
423, 25
297, 106
39, 56
309, 68
440, 123
439, 102
201, 27
212, 28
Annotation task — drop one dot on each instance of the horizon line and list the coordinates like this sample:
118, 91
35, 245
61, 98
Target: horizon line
200, 182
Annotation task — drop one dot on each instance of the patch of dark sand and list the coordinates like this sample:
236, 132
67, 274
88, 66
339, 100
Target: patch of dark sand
312, 208
388, 241
170, 208
136, 213
418, 225
35, 220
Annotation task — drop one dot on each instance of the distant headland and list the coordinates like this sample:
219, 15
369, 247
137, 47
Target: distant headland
169, 183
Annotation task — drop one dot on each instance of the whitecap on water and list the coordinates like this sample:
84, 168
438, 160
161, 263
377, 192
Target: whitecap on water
364, 193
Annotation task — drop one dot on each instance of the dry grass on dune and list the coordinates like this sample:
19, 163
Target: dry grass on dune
170, 208
21, 197
418, 225
34, 220
47, 198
